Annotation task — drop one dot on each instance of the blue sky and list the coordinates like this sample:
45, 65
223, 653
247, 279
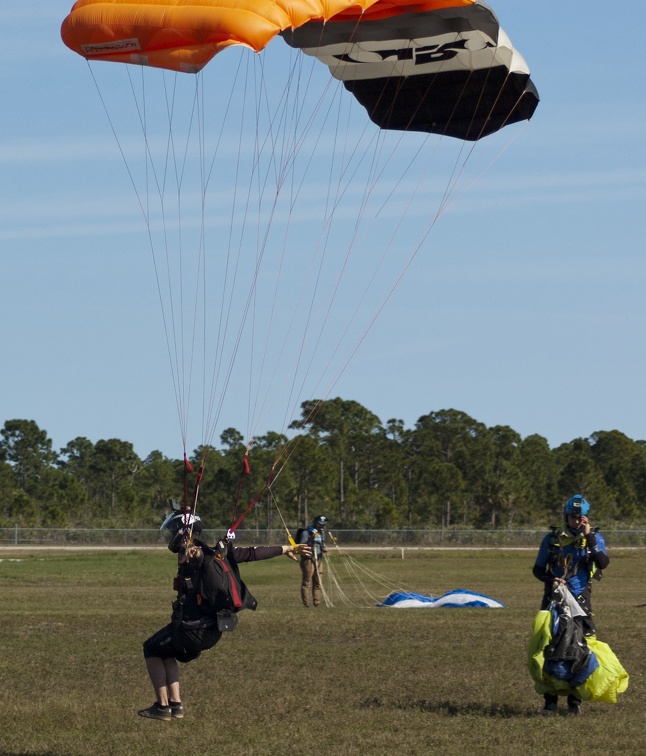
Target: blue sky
525, 307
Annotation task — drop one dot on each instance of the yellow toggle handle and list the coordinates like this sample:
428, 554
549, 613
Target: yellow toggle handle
293, 544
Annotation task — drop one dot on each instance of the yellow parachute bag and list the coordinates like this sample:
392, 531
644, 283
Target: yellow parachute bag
607, 681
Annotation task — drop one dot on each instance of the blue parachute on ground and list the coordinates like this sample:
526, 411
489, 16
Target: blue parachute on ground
458, 598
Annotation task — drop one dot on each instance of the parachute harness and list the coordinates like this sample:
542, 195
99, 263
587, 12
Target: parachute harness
569, 563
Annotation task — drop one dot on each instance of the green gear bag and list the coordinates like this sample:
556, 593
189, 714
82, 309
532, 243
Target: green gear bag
604, 684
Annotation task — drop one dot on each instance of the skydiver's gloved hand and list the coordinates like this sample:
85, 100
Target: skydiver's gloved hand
305, 550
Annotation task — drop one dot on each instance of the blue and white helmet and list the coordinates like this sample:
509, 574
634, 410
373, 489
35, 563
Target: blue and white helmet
576, 506
177, 524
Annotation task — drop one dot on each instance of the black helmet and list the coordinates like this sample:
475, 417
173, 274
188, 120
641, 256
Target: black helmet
320, 522
177, 524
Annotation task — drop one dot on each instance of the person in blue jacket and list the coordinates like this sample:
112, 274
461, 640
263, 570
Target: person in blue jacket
572, 555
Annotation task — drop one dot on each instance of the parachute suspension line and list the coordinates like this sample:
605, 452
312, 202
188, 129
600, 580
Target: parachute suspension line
173, 353
368, 287
281, 170
252, 286
262, 239
291, 150
335, 290
174, 322
261, 187
196, 489
411, 120
245, 470
219, 385
213, 411
448, 195
325, 231
149, 162
357, 574
284, 169
286, 452
359, 578
144, 208
183, 371
274, 500
253, 502
467, 186
319, 252
188, 468
450, 189
451, 194
183, 358
297, 142
250, 293
453, 180
203, 298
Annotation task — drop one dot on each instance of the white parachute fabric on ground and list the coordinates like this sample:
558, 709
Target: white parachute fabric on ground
458, 598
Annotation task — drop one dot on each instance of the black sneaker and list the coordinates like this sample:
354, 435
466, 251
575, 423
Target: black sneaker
176, 710
156, 712
573, 706
551, 704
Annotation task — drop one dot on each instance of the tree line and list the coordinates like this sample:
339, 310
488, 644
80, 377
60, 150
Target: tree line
449, 470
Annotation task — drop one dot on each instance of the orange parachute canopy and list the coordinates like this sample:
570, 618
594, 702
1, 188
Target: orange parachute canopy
436, 66
183, 35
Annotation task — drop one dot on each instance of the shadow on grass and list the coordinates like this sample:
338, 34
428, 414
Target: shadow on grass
450, 709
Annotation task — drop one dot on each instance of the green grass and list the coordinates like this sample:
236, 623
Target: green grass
289, 680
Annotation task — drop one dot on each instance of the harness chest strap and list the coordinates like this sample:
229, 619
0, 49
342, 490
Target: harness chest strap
568, 564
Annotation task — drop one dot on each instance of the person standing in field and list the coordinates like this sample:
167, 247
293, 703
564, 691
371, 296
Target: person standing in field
571, 556
313, 539
210, 593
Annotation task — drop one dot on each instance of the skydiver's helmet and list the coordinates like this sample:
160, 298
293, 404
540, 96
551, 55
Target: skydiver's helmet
320, 522
178, 524
576, 506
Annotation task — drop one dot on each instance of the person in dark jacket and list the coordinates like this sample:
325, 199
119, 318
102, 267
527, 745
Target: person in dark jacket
571, 556
209, 595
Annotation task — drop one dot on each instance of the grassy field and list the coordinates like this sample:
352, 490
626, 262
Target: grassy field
290, 680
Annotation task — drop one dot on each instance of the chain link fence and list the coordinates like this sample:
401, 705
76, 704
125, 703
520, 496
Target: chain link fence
151, 537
